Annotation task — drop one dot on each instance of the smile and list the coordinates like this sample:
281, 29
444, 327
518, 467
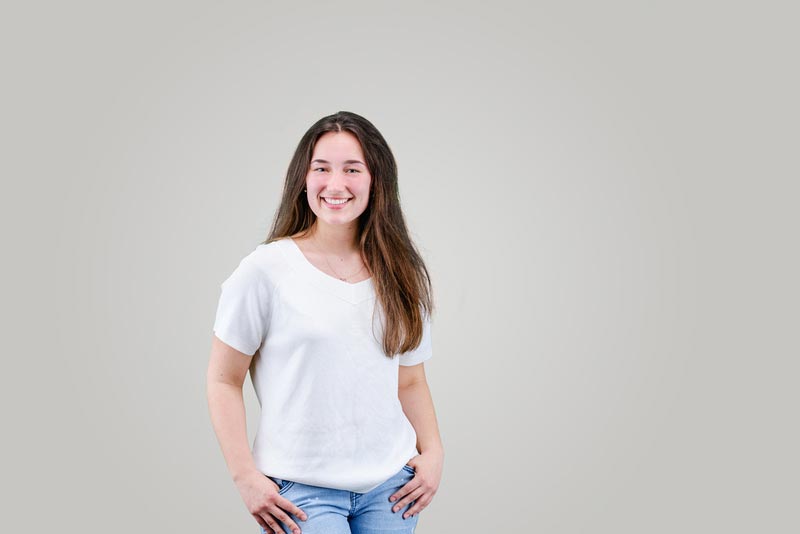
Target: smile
335, 201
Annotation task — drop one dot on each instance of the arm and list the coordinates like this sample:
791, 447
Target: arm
415, 397
226, 373
417, 404
227, 370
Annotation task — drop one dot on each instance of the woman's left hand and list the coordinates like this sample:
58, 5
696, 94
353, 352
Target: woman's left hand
428, 472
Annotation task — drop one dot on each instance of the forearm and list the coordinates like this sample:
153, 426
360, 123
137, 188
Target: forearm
418, 407
226, 407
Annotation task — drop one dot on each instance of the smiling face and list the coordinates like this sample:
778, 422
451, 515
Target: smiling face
338, 181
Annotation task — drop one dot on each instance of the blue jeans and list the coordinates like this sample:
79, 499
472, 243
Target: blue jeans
334, 511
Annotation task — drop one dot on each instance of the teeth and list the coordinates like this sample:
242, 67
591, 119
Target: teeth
334, 201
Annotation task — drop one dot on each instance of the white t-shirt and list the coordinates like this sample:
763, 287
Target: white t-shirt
330, 412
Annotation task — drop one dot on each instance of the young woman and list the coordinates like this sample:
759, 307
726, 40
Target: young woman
331, 316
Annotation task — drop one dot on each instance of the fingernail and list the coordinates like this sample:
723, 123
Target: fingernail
392, 498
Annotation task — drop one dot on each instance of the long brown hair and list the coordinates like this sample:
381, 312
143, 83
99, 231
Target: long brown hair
401, 280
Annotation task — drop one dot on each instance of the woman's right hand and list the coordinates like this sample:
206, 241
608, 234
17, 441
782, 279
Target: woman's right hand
260, 495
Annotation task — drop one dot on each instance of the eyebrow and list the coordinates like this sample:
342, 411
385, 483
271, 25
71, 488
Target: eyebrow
346, 162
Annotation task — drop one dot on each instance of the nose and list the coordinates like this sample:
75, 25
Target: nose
337, 180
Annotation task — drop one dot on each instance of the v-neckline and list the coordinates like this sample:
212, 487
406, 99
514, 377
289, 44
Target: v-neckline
351, 292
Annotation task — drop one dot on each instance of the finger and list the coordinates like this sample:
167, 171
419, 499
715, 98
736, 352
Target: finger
272, 525
290, 507
410, 486
420, 505
262, 524
407, 499
283, 516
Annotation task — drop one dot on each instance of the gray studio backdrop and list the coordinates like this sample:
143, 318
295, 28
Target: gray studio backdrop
605, 194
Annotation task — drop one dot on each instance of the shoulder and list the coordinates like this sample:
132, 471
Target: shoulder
267, 264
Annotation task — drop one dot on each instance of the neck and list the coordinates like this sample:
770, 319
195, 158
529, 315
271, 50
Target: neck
339, 239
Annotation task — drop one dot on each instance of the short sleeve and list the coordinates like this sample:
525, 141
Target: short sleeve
242, 318
424, 351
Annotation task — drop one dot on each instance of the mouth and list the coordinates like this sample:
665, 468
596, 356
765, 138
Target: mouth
336, 201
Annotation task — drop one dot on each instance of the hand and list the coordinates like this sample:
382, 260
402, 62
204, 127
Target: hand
260, 495
421, 488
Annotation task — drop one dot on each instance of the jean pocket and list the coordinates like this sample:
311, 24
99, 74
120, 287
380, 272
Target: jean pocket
283, 484
409, 469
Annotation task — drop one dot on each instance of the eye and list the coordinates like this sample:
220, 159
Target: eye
318, 168
355, 170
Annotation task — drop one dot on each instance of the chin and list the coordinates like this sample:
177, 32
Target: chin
337, 221
336, 218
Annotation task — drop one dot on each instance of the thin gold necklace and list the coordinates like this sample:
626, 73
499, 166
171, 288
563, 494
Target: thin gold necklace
331, 266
